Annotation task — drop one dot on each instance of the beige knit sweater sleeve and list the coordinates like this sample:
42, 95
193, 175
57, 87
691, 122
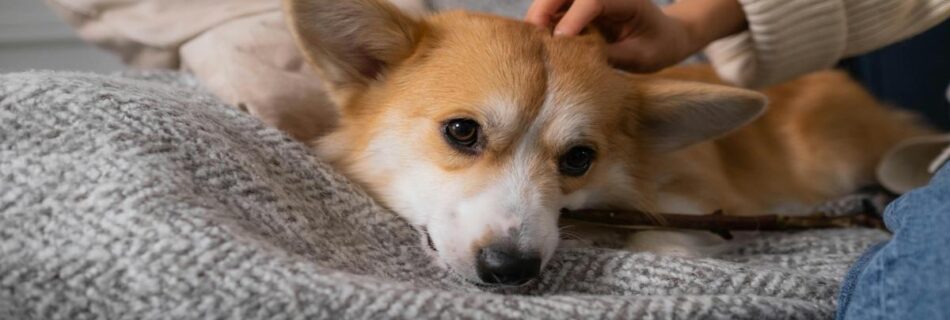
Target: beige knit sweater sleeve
787, 38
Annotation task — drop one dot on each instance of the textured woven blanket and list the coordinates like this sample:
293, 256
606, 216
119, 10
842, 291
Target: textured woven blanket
142, 196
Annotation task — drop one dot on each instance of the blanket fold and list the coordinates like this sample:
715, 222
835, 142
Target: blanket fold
143, 196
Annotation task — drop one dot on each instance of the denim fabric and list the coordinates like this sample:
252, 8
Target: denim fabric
907, 277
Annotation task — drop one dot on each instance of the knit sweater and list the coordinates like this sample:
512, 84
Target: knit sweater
788, 38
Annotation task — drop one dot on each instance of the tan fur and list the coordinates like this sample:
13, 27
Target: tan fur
821, 139
398, 79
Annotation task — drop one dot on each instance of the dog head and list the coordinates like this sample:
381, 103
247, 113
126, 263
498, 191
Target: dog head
478, 129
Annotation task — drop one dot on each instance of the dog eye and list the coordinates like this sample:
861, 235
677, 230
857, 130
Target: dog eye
576, 161
462, 133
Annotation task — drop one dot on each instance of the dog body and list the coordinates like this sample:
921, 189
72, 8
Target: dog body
821, 138
479, 129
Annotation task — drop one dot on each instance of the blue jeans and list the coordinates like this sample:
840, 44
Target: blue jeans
908, 276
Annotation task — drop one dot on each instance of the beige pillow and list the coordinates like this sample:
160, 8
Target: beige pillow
239, 49
148, 33
252, 62
911, 163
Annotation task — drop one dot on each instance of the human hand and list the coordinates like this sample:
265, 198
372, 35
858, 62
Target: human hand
644, 37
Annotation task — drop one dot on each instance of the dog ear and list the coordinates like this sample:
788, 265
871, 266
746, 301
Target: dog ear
675, 114
351, 42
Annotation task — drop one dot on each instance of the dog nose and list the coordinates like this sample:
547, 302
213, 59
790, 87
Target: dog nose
498, 265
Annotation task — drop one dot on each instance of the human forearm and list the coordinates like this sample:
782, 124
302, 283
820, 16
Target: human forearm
708, 20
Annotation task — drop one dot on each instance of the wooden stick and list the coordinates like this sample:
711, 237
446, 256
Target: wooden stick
719, 222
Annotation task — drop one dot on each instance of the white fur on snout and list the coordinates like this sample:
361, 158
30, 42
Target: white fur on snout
518, 206
511, 206
510, 209
486, 214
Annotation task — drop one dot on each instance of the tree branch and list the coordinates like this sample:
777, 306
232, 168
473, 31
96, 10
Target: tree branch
718, 222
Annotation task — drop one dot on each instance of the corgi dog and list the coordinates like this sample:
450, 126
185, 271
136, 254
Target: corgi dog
479, 129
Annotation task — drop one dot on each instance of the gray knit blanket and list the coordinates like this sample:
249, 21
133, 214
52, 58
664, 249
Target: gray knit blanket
142, 197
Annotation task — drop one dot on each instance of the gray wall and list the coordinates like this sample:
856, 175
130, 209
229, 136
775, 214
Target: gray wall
33, 37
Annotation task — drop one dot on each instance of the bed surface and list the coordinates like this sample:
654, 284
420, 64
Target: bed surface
143, 196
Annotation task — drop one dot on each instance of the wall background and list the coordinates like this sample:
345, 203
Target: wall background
33, 37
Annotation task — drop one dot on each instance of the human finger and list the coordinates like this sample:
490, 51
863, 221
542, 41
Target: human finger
578, 16
541, 12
